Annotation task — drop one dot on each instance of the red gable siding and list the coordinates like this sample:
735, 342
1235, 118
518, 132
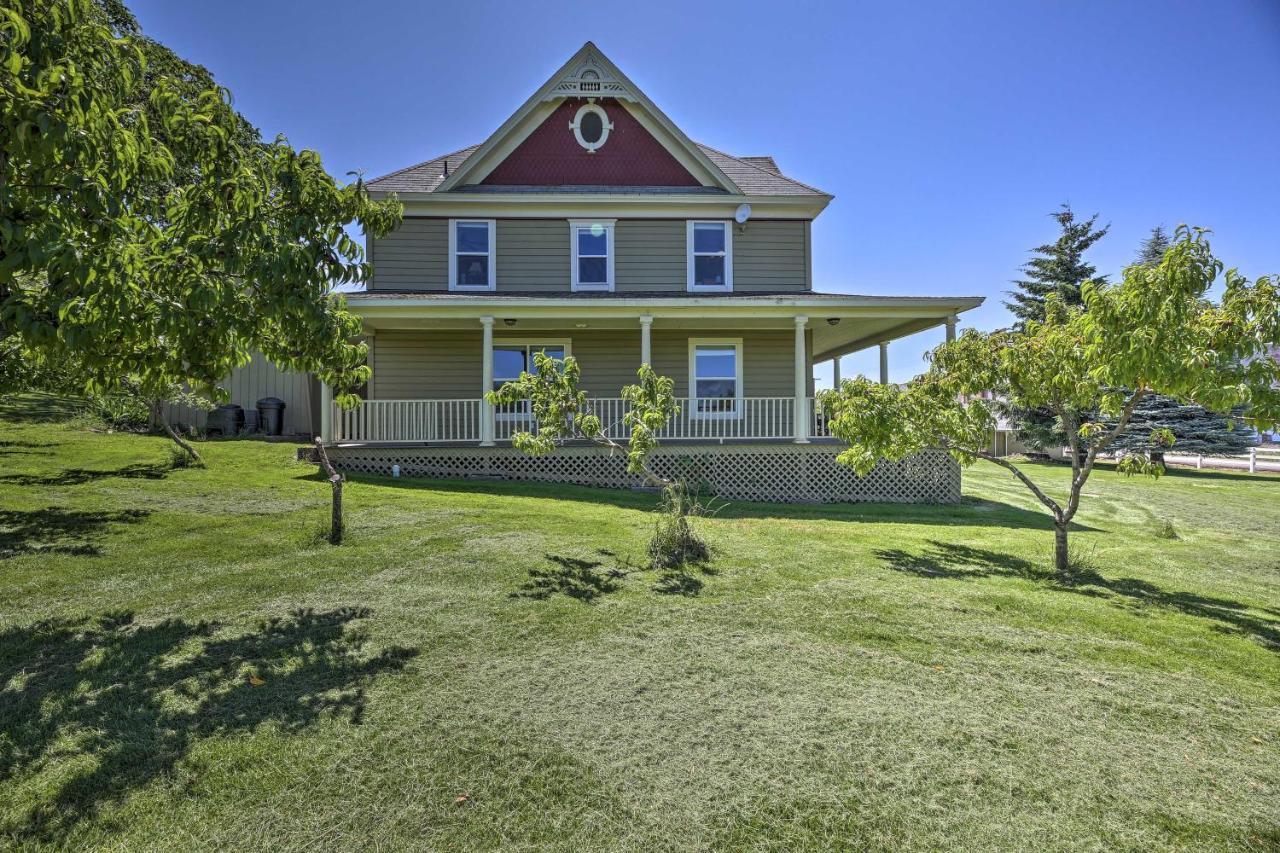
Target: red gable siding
551, 156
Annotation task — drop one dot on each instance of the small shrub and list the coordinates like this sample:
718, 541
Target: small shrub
119, 412
1165, 530
675, 543
179, 458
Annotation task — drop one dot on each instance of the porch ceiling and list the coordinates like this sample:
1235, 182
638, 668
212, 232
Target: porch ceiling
840, 323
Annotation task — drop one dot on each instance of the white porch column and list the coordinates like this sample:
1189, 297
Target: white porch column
951, 328
884, 362
326, 413
486, 371
835, 372
646, 322
802, 384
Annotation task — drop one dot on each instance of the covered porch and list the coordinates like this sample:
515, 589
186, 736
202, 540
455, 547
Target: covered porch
742, 365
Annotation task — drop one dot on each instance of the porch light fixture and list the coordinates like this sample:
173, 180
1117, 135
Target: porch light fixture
833, 321
509, 322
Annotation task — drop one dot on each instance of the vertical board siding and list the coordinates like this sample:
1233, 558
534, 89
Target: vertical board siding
257, 379
650, 256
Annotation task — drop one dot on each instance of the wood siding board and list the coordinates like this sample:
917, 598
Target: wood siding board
533, 255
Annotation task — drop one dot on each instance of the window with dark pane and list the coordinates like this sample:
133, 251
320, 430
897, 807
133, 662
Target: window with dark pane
709, 256
715, 378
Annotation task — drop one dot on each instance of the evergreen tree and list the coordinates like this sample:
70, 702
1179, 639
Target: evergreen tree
1195, 430
1057, 267
1152, 250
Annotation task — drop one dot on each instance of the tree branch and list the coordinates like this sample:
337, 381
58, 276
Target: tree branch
1017, 472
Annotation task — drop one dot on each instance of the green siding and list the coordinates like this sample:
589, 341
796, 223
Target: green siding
533, 255
447, 364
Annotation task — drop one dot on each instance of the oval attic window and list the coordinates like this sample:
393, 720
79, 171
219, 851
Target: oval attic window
591, 127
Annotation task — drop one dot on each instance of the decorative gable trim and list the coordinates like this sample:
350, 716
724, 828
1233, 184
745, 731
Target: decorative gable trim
578, 78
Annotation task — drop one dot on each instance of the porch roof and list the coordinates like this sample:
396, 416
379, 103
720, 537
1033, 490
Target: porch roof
842, 323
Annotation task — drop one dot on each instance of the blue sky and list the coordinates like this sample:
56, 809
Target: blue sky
946, 130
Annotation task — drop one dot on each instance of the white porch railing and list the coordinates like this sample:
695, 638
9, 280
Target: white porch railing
409, 420
744, 418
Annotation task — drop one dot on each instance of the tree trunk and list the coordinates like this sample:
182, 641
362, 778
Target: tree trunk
1061, 556
158, 416
335, 518
335, 480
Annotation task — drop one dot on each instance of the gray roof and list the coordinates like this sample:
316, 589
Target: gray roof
753, 175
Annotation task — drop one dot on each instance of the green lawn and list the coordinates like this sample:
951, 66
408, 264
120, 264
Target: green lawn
867, 677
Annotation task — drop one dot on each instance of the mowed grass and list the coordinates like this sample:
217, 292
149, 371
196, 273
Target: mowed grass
185, 664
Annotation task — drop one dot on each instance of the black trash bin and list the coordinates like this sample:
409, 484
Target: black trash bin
227, 419
271, 415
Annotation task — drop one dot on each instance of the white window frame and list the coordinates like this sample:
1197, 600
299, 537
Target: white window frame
492, 255
605, 126
738, 407
574, 226
527, 343
690, 283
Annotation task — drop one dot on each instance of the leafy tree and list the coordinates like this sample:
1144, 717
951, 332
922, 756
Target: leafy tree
145, 227
1155, 332
563, 413
1194, 428
1057, 268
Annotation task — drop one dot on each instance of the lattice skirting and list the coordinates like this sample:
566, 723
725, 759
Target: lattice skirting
789, 473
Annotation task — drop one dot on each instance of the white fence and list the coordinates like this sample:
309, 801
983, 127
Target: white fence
429, 421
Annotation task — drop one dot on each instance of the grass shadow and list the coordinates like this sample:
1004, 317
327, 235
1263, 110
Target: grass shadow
39, 408
579, 579
101, 708
26, 448
54, 530
969, 511
79, 476
964, 562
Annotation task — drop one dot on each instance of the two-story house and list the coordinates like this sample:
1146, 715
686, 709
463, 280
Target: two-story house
589, 225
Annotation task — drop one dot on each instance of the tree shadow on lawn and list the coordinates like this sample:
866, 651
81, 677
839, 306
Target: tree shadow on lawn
969, 512
79, 476
26, 448
99, 708
38, 408
588, 580
965, 562
54, 530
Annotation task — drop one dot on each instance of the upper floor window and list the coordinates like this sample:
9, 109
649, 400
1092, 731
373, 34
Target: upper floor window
592, 244
710, 246
471, 250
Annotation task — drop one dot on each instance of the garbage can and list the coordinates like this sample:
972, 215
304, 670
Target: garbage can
227, 420
271, 415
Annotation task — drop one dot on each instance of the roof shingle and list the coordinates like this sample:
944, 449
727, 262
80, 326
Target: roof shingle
753, 176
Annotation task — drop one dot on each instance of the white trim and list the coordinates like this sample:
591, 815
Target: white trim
620, 205
542, 343
574, 226
492, 255
605, 126
485, 158
690, 284
738, 407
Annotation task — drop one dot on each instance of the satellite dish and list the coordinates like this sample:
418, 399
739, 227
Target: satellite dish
742, 214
